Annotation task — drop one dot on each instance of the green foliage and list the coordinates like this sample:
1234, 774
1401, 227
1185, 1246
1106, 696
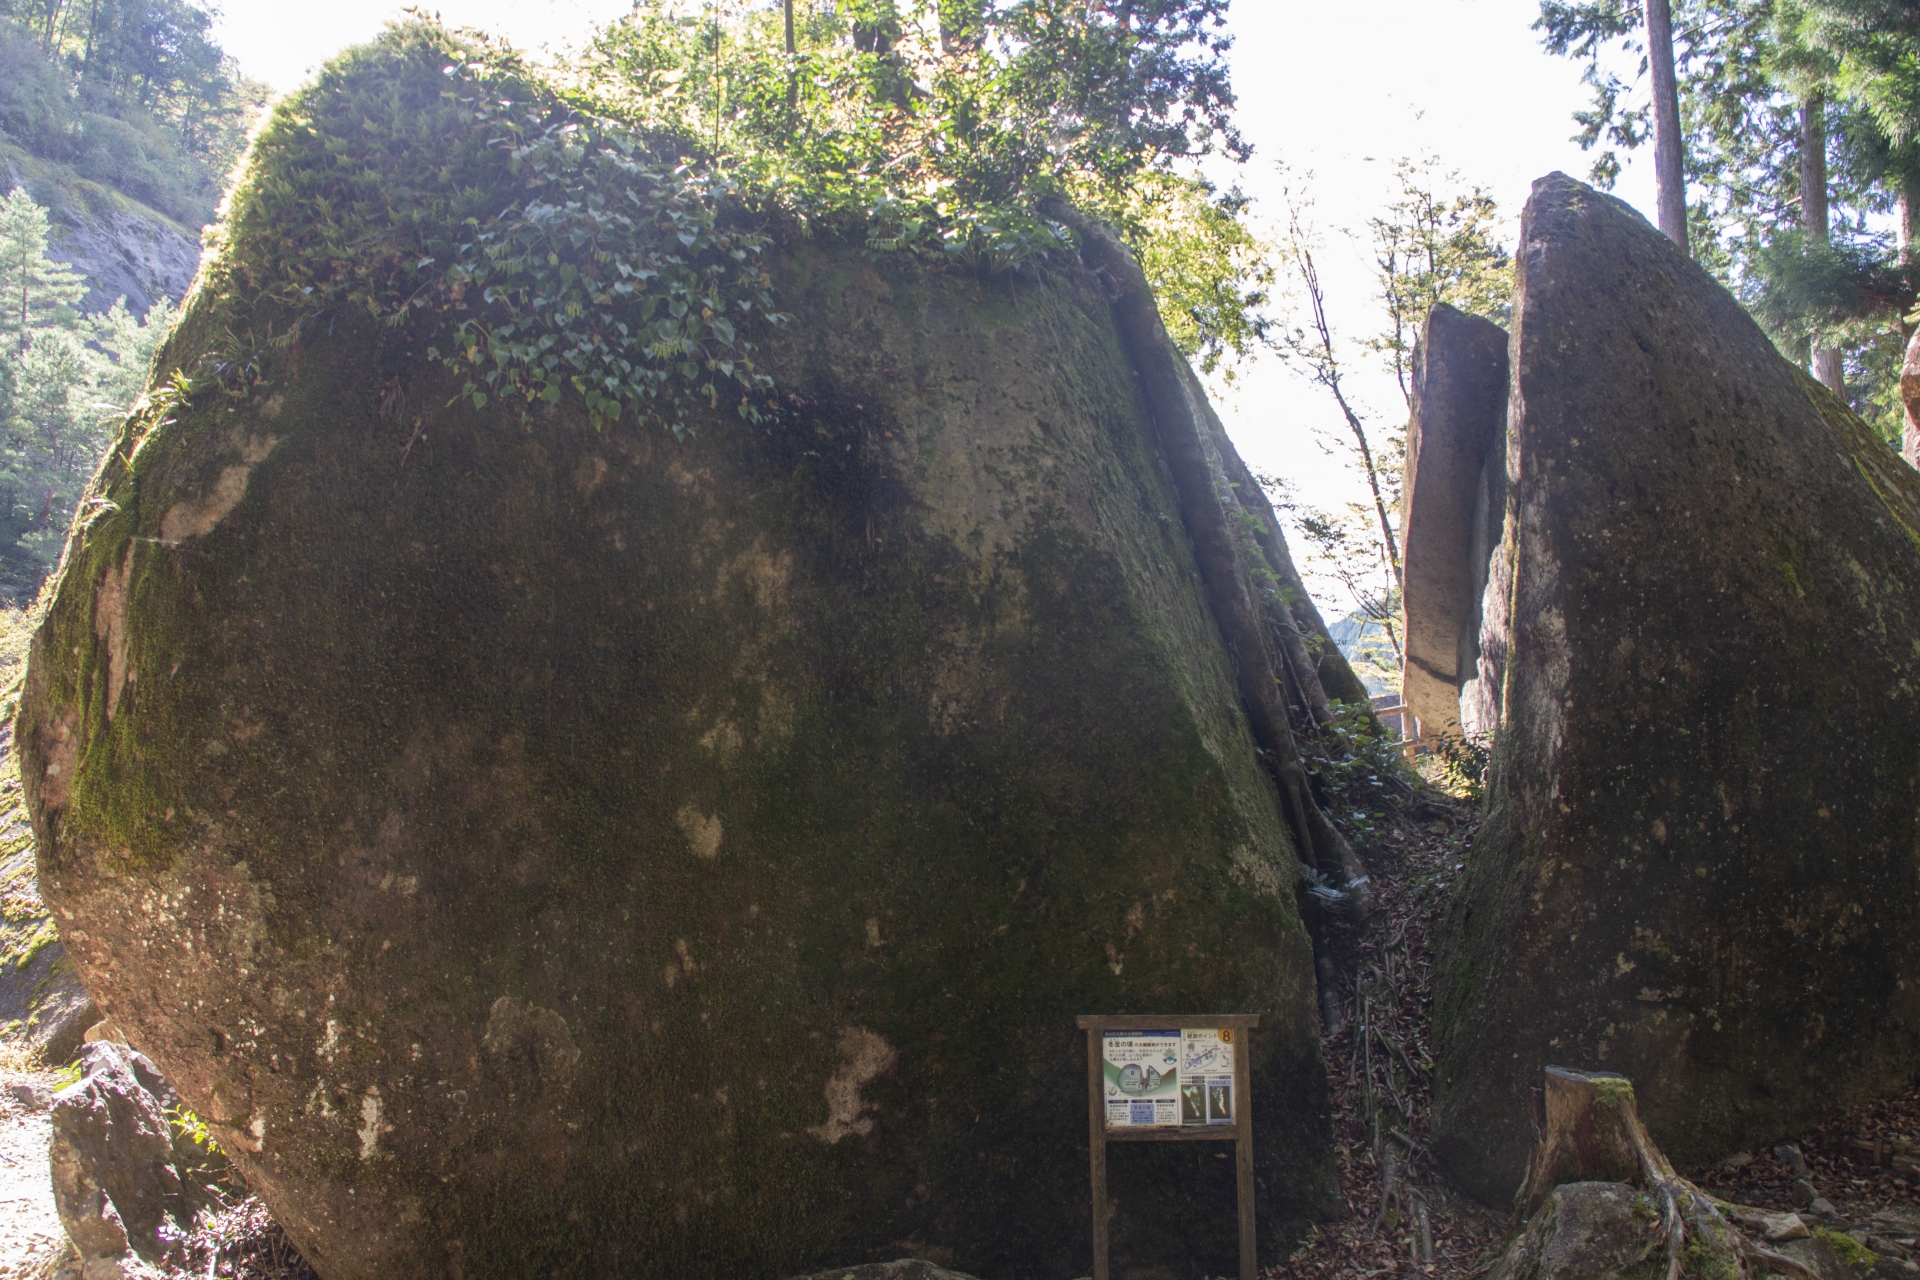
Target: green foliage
1747, 69
1871, 44
1210, 275
1801, 286
429, 171
191, 1128
133, 94
604, 237
615, 277
931, 128
204, 1169
65, 380
1438, 242
1357, 768
979, 103
35, 292
1458, 766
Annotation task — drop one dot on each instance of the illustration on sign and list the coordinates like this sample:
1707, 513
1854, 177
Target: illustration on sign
1141, 1074
1155, 1078
1206, 1076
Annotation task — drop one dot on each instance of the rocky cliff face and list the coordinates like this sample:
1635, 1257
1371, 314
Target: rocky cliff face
125, 249
541, 850
126, 253
1698, 866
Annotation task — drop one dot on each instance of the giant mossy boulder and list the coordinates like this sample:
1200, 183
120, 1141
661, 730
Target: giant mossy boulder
1698, 866
541, 850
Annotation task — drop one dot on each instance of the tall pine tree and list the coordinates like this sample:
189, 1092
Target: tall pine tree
35, 291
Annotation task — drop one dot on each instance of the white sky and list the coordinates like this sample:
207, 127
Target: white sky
1344, 90
1340, 90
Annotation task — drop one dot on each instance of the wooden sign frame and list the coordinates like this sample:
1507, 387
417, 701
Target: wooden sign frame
1240, 1132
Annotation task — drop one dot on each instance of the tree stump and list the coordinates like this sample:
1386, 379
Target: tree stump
1590, 1130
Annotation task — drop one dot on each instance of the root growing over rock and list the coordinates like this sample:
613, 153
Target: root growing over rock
1590, 1131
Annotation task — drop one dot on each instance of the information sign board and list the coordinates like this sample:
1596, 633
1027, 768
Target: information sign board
1173, 1076
1206, 1075
1142, 1074
1169, 1078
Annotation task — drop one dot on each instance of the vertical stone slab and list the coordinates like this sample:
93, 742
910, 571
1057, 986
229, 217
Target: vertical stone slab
1459, 408
1698, 866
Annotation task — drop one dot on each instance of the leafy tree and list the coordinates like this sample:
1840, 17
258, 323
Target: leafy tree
53, 436
1437, 241
65, 379
1776, 118
1211, 275
129, 342
1873, 44
940, 123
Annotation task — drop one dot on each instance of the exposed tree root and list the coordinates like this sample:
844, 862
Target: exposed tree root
1591, 1131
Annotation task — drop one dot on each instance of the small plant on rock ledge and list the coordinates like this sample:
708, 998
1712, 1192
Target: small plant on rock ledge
1358, 768
1458, 766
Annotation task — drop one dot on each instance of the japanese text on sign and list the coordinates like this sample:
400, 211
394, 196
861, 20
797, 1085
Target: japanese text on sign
1155, 1078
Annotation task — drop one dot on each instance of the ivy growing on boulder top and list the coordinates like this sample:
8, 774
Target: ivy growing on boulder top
614, 276
429, 173
605, 236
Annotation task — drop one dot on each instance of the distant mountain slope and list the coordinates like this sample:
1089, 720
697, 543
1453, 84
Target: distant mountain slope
1363, 643
124, 119
124, 248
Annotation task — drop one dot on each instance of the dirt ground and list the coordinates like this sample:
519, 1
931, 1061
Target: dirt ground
32, 1244
1402, 1214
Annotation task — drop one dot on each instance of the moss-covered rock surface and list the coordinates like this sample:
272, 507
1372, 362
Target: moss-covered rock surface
1698, 866
541, 850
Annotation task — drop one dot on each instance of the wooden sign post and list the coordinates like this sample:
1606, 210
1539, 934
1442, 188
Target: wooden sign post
1169, 1078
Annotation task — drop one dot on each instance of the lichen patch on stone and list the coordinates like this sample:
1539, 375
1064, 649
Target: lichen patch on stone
702, 831
372, 1111
588, 475
110, 626
200, 516
61, 750
724, 738
863, 1057
533, 1040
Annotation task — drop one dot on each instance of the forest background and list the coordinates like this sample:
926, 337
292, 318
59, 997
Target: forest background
1377, 183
